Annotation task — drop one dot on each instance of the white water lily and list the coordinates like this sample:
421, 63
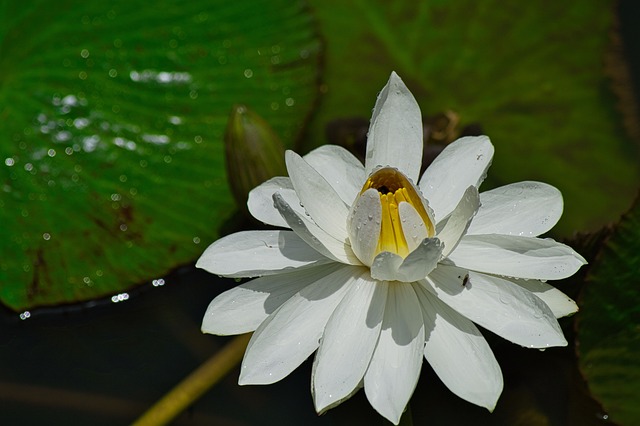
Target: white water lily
374, 272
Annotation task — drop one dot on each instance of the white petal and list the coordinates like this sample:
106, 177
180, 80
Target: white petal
257, 253
560, 304
364, 225
458, 353
313, 235
395, 133
343, 171
459, 220
348, 342
260, 202
319, 199
422, 260
393, 373
385, 266
497, 305
413, 226
524, 208
245, 307
461, 164
289, 335
417, 265
519, 257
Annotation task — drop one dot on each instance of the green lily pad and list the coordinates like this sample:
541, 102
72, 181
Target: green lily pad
609, 322
532, 75
112, 117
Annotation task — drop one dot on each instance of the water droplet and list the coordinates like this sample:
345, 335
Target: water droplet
120, 297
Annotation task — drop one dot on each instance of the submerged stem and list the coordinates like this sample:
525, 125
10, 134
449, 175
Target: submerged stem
196, 384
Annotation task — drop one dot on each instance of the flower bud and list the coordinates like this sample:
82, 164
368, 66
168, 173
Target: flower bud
253, 152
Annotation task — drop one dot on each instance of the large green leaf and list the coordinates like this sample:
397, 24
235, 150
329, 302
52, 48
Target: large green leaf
532, 74
609, 322
111, 124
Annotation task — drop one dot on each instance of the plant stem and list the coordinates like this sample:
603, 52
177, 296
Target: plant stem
196, 384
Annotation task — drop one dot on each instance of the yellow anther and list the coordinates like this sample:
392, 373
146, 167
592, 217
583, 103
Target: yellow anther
394, 188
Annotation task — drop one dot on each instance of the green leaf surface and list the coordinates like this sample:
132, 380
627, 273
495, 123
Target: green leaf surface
609, 322
112, 117
531, 74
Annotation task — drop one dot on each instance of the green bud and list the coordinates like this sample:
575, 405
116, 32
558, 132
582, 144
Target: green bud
253, 151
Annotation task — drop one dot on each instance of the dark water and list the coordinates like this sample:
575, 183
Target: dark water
107, 364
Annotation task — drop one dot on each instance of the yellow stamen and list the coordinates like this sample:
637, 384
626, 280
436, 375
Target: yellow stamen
394, 188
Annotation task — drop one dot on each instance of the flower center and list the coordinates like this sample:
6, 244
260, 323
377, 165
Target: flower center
395, 188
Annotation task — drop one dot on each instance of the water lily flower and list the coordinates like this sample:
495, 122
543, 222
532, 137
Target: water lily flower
373, 272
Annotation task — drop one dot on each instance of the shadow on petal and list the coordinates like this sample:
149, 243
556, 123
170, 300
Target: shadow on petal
405, 327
